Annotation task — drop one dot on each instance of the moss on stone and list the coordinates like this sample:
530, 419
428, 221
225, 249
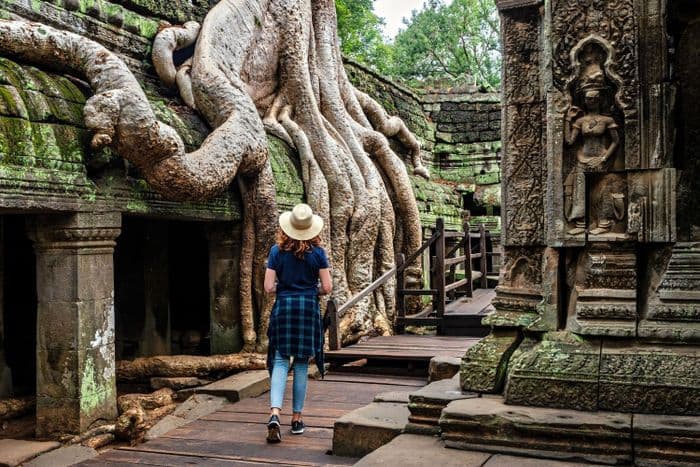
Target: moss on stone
287, 171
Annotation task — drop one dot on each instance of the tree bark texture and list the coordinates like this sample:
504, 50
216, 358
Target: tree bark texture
260, 66
142, 369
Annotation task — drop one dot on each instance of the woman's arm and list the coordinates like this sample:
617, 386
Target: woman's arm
270, 281
326, 283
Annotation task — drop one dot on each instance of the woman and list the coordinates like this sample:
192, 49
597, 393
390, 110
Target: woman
296, 265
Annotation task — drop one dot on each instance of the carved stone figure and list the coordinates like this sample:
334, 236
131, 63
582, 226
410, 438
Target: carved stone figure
594, 139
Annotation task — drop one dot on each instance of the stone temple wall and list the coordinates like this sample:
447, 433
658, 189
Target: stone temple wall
459, 131
598, 306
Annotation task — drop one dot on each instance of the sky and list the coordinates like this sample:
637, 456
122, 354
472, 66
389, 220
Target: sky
393, 11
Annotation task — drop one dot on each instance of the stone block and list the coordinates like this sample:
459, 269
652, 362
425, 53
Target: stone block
663, 379
197, 406
484, 365
63, 457
363, 430
561, 371
409, 450
441, 367
666, 440
400, 397
14, 452
427, 403
487, 424
500, 460
239, 386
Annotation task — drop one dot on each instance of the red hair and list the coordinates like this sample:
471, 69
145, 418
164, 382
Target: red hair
298, 247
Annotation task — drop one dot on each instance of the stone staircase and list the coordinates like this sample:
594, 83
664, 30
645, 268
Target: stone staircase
487, 432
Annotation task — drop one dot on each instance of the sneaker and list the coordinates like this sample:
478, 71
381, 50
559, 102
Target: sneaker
273, 430
297, 427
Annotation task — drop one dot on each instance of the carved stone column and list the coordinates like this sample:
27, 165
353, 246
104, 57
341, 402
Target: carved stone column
523, 300
224, 295
76, 382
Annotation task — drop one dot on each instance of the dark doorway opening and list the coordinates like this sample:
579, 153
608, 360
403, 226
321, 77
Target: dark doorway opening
161, 271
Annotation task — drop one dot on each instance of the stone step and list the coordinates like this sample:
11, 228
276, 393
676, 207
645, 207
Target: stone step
236, 387
443, 367
14, 451
426, 404
409, 450
487, 424
363, 430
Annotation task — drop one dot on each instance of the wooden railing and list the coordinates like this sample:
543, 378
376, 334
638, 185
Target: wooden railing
443, 278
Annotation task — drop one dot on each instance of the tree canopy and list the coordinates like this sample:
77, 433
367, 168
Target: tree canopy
360, 33
457, 42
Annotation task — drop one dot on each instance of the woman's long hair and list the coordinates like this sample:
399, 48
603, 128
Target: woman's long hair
298, 247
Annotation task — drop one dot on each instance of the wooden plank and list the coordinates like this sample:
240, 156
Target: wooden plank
362, 378
455, 260
418, 292
456, 285
439, 300
245, 417
120, 457
232, 448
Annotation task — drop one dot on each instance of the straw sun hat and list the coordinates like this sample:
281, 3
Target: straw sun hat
301, 223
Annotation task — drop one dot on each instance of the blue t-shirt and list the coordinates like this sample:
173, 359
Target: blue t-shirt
297, 276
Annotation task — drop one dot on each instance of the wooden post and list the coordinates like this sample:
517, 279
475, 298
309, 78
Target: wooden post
439, 304
482, 247
400, 286
334, 328
469, 287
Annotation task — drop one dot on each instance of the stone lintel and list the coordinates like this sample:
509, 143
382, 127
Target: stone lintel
504, 5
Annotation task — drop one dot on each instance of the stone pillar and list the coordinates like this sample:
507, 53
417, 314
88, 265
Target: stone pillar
76, 382
156, 327
224, 297
5, 373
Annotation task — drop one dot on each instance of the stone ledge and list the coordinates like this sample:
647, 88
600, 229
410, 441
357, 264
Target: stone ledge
427, 403
236, 387
363, 430
487, 424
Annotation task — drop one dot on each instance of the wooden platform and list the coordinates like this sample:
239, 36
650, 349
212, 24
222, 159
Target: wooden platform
235, 435
403, 348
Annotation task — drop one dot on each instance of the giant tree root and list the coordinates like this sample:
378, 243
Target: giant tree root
16, 407
142, 369
258, 65
139, 412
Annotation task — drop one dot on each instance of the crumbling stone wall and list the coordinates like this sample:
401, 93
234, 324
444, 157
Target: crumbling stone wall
459, 130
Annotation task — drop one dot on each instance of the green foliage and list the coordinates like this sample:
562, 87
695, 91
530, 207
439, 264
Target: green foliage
456, 42
359, 30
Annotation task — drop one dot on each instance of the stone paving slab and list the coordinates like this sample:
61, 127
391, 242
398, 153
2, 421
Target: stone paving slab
363, 430
63, 457
500, 460
409, 450
400, 397
14, 451
193, 408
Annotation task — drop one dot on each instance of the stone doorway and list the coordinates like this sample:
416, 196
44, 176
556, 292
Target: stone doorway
161, 288
19, 306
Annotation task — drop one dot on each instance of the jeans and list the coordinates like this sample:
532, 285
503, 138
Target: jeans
278, 382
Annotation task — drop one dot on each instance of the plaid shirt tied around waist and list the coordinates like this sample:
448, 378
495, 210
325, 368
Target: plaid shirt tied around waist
296, 329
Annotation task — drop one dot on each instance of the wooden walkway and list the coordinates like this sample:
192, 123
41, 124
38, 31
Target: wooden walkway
235, 435
403, 348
